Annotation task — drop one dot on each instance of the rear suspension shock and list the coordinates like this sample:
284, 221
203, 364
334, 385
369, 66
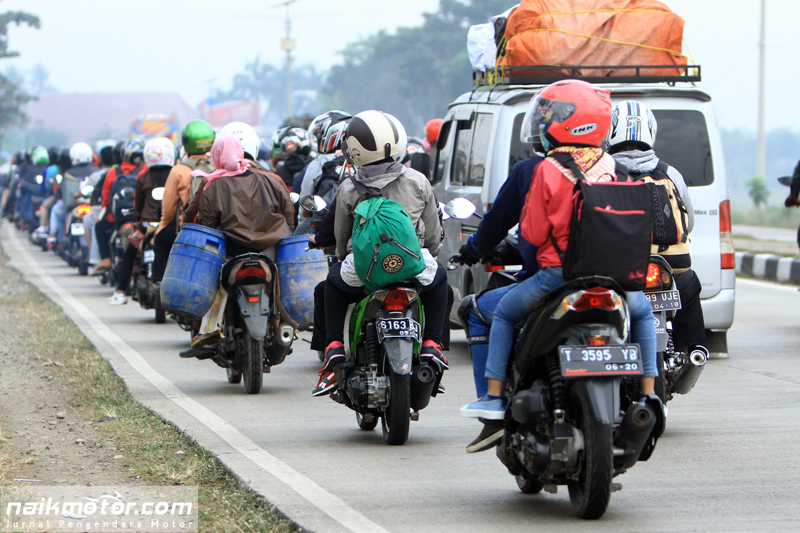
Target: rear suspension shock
371, 348
558, 385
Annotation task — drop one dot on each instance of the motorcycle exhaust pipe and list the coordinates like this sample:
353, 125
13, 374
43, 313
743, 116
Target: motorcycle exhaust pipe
280, 345
690, 371
423, 380
632, 434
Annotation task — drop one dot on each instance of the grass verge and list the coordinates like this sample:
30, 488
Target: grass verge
153, 448
771, 217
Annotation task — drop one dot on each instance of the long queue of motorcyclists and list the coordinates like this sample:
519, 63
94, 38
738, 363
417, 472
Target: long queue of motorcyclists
142, 194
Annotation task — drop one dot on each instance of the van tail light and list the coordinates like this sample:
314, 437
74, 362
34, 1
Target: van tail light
727, 257
395, 300
255, 270
593, 298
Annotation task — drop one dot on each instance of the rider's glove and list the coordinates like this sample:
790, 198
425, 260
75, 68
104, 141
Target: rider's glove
468, 253
791, 201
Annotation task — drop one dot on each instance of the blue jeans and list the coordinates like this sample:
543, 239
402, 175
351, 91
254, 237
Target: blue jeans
517, 304
487, 302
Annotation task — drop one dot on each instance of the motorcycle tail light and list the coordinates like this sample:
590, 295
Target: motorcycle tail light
395, 300
597, 340
493, 268
593, 298
251, 270
83, 210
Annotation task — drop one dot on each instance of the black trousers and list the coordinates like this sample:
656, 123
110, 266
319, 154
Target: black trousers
689, 328
126, 267
338, 295
102, 232
162, 244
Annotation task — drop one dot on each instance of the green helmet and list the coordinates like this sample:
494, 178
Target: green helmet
40, 156
197, 137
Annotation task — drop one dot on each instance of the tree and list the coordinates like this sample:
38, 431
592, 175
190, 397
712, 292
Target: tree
12, 97
415, 73
757, 189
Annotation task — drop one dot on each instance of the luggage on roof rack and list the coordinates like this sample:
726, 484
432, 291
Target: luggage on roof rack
593, 40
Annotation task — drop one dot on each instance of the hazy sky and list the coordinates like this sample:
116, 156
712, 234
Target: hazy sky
190, 46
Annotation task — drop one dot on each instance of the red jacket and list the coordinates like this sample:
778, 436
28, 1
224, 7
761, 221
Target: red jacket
549, 204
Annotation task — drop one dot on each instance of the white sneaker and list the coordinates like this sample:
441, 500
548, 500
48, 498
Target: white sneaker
118, 299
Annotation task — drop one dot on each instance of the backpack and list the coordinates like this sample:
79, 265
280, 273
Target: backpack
122, 205
670, 216
610, 230
203, 164
385, 245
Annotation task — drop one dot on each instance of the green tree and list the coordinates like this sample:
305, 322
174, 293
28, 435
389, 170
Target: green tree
12, 97
415, 73
757, 189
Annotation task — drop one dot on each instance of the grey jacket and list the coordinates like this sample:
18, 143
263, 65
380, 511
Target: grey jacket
414, 193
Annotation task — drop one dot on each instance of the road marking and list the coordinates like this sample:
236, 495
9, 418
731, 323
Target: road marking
325, 501
767, 284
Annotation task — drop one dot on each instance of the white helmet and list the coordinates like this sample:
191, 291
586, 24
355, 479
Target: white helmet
159, 152
80, 153
632, 123
246, 134
402, 145
372, 137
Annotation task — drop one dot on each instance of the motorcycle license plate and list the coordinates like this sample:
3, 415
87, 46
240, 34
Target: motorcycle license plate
149, 256
664, 300
611, 360
77, 229
398, 327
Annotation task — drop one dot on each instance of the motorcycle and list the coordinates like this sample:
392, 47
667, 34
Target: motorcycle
384, 378
123, 227
252, 337
74, 247
678, 371
144, 290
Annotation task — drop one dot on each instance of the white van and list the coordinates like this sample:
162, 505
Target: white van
479, 145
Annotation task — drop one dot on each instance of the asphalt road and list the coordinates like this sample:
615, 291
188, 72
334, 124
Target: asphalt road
728, 461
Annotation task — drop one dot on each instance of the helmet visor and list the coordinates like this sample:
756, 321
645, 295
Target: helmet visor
541, 113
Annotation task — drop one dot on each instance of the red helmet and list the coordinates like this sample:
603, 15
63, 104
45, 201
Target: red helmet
432, 129
567, 113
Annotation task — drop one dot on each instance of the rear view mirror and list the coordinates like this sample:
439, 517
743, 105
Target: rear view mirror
785, 180
313, 204
158, 194
294, 197
442, 211
460, 208
87, 190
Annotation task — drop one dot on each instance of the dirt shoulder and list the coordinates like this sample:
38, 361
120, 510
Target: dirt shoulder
67, 419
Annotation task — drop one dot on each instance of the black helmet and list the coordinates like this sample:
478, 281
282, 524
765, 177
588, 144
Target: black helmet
118, 152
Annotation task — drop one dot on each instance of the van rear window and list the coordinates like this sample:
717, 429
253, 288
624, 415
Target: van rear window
518, 151
682, 141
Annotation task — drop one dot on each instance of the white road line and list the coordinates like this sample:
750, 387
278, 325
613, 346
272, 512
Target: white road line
767, 284
328, 503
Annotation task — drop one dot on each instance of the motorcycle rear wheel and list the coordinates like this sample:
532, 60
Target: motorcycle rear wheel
591, 493
253, 367
396, 419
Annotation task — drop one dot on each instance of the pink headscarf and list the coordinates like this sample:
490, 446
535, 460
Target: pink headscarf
228, 156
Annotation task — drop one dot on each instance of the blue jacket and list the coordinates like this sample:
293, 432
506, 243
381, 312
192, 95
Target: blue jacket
504, 215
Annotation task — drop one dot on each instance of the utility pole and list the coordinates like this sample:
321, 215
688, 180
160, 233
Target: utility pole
761, 141
287, 45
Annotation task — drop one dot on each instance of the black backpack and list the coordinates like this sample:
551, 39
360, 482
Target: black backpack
121, 203
610, 231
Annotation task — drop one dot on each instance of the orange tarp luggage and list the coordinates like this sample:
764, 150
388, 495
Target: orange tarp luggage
594, 33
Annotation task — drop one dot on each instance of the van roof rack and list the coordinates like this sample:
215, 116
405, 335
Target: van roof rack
508, 75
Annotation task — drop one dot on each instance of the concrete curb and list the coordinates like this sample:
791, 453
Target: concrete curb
769, 267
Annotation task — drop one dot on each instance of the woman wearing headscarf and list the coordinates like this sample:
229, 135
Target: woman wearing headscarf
251, 209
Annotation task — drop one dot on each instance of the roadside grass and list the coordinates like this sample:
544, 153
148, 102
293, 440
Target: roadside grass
154, 451
770, 216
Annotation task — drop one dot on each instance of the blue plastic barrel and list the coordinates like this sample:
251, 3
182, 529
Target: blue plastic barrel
190, 280
299, 270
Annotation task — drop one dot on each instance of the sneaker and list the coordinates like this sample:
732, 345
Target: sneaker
118, 299
490, 435
486, 408
101, 268
334, 354
326, 384
433, 350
